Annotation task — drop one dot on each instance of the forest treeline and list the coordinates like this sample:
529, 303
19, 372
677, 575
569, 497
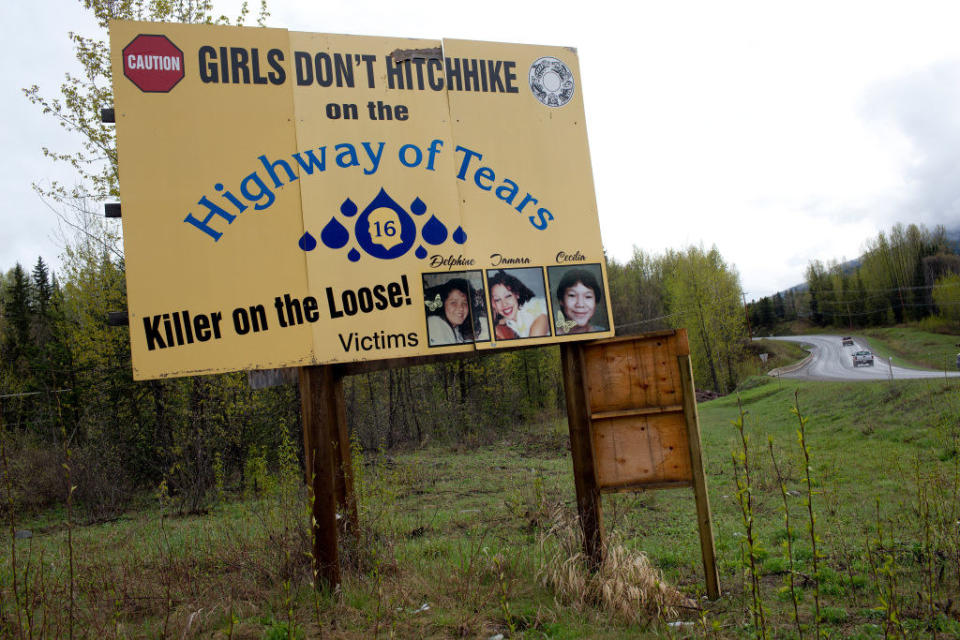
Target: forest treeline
909, 274
67, 391
68, 396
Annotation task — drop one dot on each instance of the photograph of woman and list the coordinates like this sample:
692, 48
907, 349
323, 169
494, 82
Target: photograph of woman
518, 302
455, 308
579, 294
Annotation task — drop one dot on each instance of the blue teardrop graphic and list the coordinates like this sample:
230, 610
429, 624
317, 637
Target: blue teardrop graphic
348, 208
354, 255
307, 242
459, 236
434, 232
334, 235
418, 207
384, 229
420, 252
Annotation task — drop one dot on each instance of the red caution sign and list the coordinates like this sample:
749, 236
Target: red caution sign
153, 63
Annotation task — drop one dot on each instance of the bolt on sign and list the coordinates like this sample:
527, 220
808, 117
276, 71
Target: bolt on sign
294, 199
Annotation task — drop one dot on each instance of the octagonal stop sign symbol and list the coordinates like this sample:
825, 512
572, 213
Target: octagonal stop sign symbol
153, 63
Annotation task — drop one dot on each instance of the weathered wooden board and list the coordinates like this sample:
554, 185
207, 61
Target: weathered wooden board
635, 373
641, 449
635, 395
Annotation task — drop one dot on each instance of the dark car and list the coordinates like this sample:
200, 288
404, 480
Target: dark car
847, 341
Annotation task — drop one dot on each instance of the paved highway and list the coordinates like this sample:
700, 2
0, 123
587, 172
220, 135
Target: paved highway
830, 360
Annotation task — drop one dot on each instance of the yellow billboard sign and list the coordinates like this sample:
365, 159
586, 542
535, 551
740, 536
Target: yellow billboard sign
297, 198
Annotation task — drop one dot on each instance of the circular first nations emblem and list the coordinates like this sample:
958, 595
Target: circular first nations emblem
551, 81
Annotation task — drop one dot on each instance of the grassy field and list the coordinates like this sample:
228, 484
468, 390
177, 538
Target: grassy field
910, 346
459, 543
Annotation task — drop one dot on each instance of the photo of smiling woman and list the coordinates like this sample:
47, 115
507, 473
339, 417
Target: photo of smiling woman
579, 303
455, 308
518, 303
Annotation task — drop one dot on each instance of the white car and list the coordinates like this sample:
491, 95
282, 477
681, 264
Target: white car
863, 358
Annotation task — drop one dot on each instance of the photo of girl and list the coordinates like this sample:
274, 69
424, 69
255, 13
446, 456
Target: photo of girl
519, 303
455, 308
579, 304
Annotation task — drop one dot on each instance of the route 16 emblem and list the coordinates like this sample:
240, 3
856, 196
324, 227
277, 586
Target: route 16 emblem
551, 81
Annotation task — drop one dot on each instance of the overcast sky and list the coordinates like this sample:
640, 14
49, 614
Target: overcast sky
779, 132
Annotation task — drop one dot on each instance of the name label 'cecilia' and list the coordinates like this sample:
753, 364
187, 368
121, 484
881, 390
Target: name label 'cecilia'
576, 256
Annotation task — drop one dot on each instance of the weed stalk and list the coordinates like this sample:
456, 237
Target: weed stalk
67, 453
786, 522
504, 593
811, 526
884, 580
741, 462
924, 487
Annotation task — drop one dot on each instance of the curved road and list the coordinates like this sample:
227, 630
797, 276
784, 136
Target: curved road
830, 360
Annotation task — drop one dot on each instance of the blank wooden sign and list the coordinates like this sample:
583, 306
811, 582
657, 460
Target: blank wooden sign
635, 398
632, 410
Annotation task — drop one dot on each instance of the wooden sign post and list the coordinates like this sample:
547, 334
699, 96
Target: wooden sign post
632, 411
329, 475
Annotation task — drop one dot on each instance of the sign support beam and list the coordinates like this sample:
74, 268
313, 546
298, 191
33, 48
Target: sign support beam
589, 506
704, 520
327, 463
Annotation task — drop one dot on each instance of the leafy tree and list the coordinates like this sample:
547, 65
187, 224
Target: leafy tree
946, 295
77, 107
704, 295
894, 273
124, 432
636, 293
825, 287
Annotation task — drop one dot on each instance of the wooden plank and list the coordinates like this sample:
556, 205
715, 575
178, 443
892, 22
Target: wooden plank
318, 403
648, 365
343, 475
589, 505
635, 337
671, 383
647, 486
683, 343
612, 376
668, 388
704, 520
635, 449
603, 377
643, 411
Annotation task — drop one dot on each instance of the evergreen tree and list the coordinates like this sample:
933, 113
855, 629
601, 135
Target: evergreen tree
779, 308
16, 311
40, 288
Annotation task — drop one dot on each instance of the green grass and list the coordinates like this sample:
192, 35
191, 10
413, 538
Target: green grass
780, 353
458, 530
910, 346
